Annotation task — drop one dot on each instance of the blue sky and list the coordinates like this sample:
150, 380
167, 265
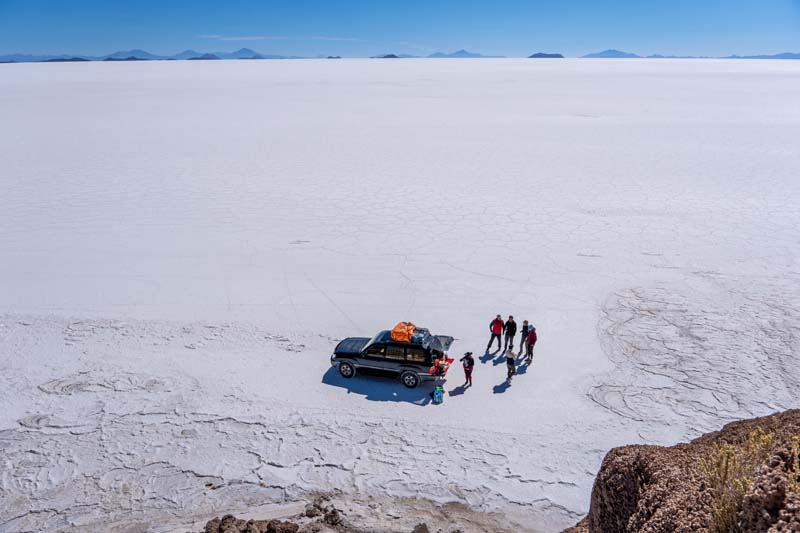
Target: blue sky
363, 28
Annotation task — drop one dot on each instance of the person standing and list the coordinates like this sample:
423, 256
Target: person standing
511, 331
511, 363
496, 328
530, 343
469, 363
523, 337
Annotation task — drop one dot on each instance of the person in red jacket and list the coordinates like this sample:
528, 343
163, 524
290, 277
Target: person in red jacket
496, 328
529, 343
469, 363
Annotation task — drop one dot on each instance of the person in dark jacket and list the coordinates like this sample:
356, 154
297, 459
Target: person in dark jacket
511, 363
511, 331
469, 363
523, 337
530, 343
496, 328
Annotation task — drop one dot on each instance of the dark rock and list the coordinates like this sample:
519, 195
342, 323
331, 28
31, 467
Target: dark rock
312, 510
333, 517
580, 527
231, 524
771, 503
228, 520
278, 526
212, 526
421, 528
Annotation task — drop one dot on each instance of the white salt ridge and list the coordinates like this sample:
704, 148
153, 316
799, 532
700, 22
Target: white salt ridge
183, 243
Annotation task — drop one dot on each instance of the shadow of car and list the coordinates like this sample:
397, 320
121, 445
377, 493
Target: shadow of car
382, 387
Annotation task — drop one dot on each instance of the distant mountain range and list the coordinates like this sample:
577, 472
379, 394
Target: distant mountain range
617, 54
141, 55
138, 54
436, 55
784, 55
611, 54
247, 53
393, 56
204, 57
66, 60
459, 53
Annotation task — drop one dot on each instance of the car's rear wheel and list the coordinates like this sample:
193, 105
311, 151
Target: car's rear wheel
347, 370
409, 379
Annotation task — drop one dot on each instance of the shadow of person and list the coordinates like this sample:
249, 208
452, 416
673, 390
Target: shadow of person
379, 387
458, 391
501, 388
500, 359
485, 358
522, 368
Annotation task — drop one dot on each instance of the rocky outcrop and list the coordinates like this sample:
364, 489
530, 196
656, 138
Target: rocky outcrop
231, 524
341, 513
320, 516
653, 489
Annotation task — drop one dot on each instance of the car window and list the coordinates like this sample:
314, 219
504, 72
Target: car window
376, 351
395, 352
373, 340
417, 355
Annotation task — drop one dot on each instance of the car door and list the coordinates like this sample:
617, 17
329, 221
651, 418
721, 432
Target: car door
395, 357
374, 356
418, 357
442, 343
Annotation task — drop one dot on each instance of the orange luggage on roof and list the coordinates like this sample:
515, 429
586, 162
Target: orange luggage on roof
403, 331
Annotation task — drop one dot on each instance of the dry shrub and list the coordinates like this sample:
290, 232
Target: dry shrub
793, 486
730, 470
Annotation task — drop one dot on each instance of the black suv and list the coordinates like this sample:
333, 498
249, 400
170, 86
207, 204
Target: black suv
412, 360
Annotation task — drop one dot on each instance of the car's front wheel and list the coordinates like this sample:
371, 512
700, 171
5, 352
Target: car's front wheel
347, 370
409, 379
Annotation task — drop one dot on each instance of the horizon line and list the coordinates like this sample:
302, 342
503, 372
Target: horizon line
612, 52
